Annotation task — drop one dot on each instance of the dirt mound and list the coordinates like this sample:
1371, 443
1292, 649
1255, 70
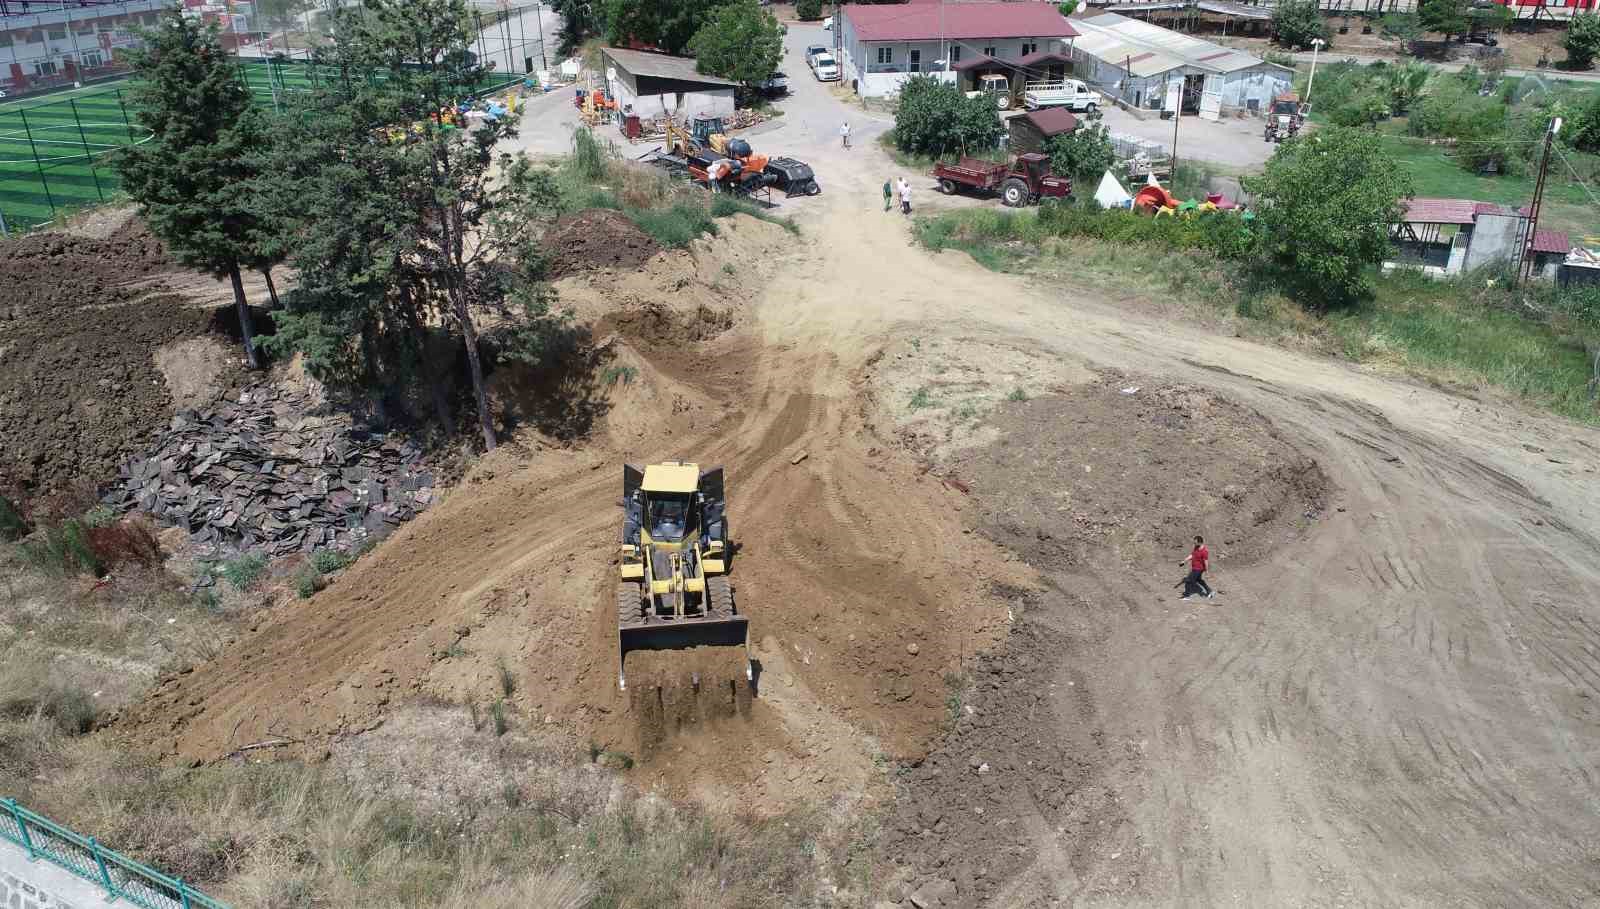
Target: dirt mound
1094, 485
1135, 468
80, 322
596, 238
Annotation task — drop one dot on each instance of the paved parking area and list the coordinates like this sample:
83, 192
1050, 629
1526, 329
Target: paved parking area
1235, 144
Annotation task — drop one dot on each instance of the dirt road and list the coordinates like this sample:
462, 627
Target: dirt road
1394, 703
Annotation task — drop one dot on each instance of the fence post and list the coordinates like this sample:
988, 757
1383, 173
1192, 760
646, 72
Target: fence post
88, 156
100, 860
22, 828
183, 893
125, 121
44, 183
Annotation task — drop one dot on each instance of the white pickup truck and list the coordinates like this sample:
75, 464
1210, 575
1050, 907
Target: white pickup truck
1071, 94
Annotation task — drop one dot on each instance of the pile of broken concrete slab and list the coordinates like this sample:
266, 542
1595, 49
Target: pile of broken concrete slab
262, 471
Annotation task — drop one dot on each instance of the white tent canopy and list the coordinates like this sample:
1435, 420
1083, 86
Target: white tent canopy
1111, 193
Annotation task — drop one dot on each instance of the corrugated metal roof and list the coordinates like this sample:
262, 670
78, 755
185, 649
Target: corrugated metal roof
1440, 211
660, 66
957, 21
1052, 120
1103, 33
1551, 241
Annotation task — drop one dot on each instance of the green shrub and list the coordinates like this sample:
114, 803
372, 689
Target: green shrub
62, 550
808, 10
327, 561
307, 582
1295, 23
243, 571
937, 118
676, 226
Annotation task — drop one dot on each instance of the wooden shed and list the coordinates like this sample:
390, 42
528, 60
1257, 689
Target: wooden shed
1029, 131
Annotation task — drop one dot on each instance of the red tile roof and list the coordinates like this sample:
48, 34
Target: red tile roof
1440, 211
1052, 121
1551, 241
957, 21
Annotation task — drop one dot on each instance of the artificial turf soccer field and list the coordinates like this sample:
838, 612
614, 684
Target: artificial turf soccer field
54, 149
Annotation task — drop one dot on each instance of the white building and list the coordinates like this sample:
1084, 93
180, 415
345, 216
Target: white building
43, 45
653, 85
1149, 67
880, 46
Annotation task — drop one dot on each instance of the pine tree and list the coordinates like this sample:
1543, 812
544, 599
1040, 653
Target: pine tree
195, 181
404, 228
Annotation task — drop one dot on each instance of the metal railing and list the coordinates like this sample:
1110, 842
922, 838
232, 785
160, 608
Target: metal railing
120, 876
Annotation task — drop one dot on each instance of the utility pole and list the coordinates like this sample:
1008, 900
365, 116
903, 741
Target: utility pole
1316, 45
1525, 264
538, 17
1177, 114
77, 58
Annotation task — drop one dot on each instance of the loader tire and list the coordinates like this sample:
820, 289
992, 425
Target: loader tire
630, 610
719, 598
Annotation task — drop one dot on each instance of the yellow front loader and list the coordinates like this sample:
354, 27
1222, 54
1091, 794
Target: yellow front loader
674, 591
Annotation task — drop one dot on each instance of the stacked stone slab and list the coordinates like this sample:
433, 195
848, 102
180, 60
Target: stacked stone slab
261, 470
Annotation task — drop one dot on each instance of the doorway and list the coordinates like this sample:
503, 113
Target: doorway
1194, 85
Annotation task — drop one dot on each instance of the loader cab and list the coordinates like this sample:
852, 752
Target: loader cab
704, 127
668, 492
671, 516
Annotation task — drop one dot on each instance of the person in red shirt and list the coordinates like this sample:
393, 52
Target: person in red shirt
1198, 560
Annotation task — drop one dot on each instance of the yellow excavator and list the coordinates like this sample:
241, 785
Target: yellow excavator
673, 592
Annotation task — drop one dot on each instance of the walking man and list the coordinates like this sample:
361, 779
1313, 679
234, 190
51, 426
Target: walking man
905, 197
1194, 582
844, 133
888, 194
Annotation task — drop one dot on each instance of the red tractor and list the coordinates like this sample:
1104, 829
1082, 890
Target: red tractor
1026, 180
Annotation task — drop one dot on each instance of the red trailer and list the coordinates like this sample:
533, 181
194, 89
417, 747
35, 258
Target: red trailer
1026, 180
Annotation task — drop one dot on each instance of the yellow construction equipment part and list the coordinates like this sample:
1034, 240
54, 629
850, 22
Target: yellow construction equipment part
673, 591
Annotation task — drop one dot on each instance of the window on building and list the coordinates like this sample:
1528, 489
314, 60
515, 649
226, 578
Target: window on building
5, 39
44, 68
92, 58
1030, 48
955, 53
988, 52
914, 62
58, 34
885, 55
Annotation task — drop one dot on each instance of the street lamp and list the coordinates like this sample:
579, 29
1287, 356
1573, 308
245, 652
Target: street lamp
1316, 45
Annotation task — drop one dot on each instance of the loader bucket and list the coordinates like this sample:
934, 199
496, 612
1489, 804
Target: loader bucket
681, 634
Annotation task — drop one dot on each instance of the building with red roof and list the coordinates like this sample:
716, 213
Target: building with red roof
1450, 236
881, 45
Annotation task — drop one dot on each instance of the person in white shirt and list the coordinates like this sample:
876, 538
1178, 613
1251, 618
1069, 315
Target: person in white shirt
844, 133
905, 197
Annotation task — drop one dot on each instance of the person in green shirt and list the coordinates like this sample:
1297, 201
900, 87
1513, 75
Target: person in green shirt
888, 194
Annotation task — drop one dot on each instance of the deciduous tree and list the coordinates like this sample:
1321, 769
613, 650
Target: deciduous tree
667, 24
936, 118
1326, 201
196, 180
1446, 17
741, 41
1295, 23
1583, 40
1084, 154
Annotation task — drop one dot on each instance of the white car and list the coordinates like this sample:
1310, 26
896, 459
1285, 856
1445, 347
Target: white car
825, 68
812, 50
827, 24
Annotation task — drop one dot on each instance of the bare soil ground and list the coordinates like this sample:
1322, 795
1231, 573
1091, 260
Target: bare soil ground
80, 315
1389, 703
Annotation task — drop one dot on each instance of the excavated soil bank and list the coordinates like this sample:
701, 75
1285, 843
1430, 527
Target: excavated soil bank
81, 321
595, 238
